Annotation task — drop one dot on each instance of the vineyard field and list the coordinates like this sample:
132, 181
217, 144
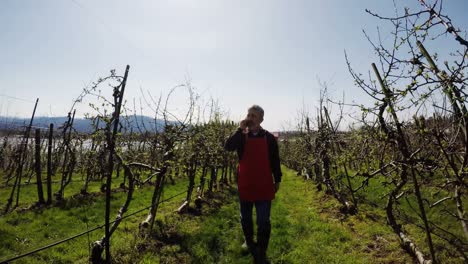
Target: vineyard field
307, 228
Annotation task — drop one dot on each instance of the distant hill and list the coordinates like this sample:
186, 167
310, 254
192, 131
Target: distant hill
82, 125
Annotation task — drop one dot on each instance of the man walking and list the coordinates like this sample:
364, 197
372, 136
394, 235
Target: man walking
259, 177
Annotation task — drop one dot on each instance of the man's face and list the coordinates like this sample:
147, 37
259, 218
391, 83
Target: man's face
254, 118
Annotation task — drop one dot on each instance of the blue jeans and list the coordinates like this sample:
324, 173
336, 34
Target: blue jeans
263, 209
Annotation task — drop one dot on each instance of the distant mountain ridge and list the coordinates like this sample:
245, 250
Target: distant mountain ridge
82, 125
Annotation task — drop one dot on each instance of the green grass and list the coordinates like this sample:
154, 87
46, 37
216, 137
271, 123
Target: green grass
406, 210
28, 192
25, 230
306, 228
315, 232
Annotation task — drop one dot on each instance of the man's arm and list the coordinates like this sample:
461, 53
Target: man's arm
275, 159
234, 142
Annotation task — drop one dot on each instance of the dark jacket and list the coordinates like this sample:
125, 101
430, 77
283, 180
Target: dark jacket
237, 141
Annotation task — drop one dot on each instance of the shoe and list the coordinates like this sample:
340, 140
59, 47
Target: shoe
261, 258
244, 246
252, 249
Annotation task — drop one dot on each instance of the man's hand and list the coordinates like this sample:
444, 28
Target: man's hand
244, 125
277, 186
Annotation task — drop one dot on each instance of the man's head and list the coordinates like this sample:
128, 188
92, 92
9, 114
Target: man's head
255, 117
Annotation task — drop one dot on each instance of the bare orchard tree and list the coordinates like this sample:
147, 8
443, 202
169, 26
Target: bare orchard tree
173, 136
408, 79
20, 157
66, 153
111, 126
328, 149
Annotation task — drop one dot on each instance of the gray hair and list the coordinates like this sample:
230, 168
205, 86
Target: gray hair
259, 109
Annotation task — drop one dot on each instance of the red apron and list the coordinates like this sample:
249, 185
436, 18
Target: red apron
255, 181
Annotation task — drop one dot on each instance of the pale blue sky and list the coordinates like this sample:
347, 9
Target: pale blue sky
267, 52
